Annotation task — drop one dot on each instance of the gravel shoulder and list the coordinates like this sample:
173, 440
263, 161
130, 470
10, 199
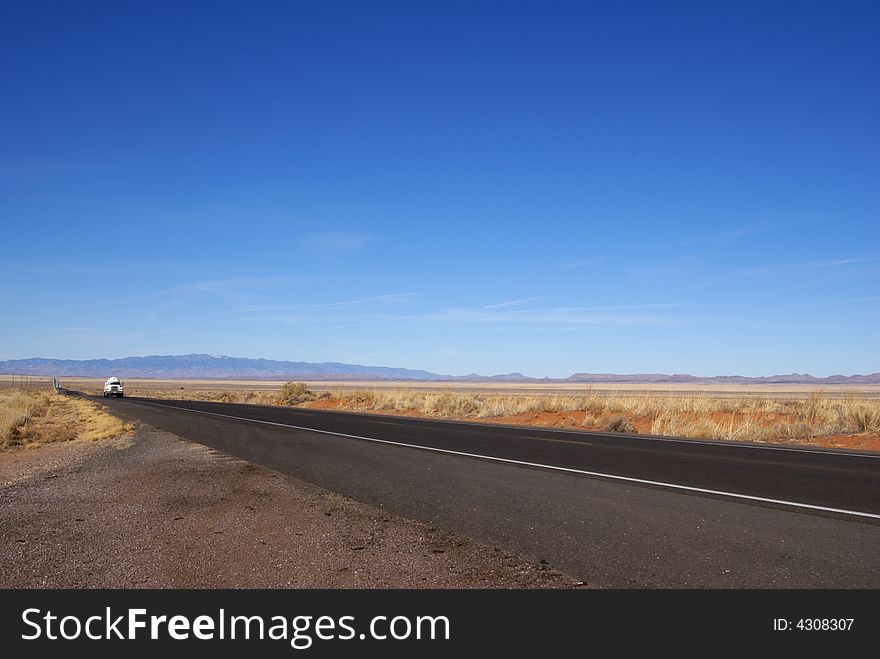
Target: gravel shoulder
151, 510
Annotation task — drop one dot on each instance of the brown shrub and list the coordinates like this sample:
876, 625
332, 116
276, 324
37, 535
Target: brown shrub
619, 423
294, 393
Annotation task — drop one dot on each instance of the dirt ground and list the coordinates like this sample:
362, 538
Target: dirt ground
574, 420
713, 390
150, 510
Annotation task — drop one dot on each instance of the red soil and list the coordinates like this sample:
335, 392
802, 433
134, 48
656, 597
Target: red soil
575, 420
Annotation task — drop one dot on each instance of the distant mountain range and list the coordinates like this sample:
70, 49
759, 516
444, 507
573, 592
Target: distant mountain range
793, 378
199, 366
220, 367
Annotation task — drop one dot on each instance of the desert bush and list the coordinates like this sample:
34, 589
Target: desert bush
794, 431
449, 404
619, 423
863, 416
593, 405
698, 427
294, 393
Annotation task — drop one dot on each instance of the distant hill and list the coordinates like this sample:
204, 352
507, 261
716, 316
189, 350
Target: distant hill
200, 366
221, 367
793, 378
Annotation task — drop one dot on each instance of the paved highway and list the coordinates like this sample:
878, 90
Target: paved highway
613, 510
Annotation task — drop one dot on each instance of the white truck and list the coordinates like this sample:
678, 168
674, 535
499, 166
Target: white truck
113, 387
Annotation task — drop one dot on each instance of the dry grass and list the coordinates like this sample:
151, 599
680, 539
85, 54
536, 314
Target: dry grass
17, 409
748, 419
36, 418
96, 422
715, 390
796, 419
290, 394
212, 395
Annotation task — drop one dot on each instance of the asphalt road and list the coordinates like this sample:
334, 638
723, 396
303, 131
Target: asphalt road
609, 509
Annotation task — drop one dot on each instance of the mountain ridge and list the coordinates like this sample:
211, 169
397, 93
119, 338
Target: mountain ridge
222, 367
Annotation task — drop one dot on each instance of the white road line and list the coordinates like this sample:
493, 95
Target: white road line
628, 479
725, 443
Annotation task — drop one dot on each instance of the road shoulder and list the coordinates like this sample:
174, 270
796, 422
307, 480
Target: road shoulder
152, 510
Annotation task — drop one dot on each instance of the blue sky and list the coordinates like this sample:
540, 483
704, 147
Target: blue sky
540, 187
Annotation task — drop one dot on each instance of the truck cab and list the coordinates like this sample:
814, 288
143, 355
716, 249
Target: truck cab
113, 387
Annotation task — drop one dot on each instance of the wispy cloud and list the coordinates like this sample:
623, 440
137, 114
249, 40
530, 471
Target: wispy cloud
560, 317
772, 268
388, 297
725, 272
724, 236
512, 317
869, 299
834, 262
826, 263
512, 303
306, 312
233, 284
756, 226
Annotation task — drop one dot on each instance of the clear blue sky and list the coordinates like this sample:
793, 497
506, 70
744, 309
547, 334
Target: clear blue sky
542, 187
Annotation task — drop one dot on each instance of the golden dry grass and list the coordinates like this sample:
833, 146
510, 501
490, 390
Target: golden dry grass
716, 390
17, 408
751, 419
754, 417
250, 397
290, 393
31, 419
